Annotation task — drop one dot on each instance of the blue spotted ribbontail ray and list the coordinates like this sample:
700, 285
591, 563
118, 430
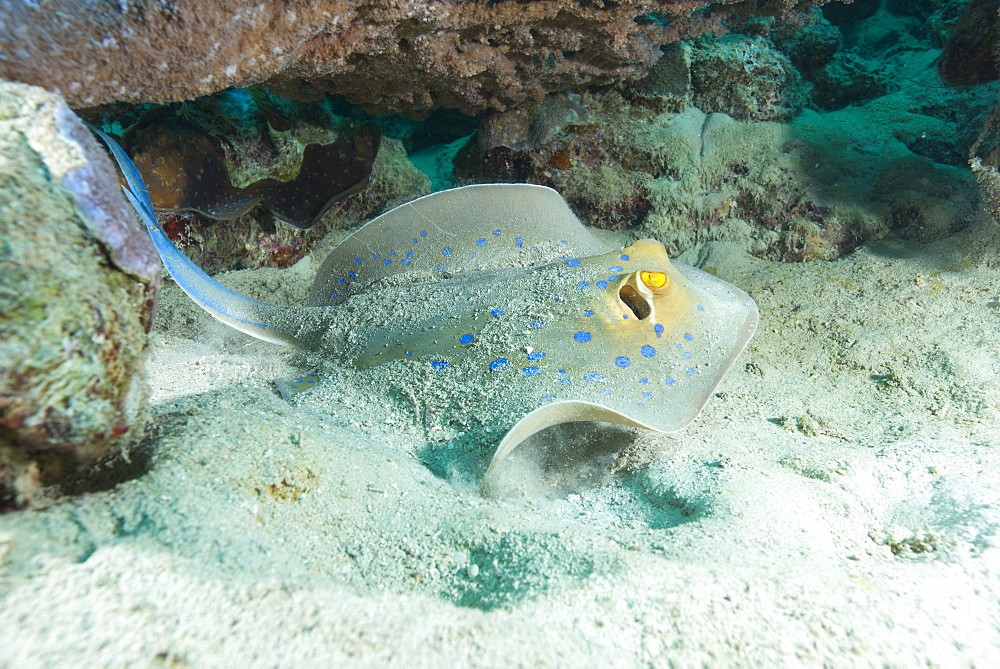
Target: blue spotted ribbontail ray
498, 295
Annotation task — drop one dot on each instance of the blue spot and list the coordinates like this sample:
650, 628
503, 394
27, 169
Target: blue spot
531, 371
606, 393
518, 242
536, 325
440, 268
415, 240
563, 241
601, 284
624, 256
700, 308
622, 361
386, 261
581, 285
409, 353
658, 329
593, 377
678, 346
565, 382
405, 261
335, 293
689, 371
573, 263
546, 398
535, 356
499, 364
392, 253
670, 381
625, 316
352, 275
498, 312
557, 297
357, 261
588, 313
562, 371
440, 364
647, 395
613, 277
644, 381
640, 405
687, 355
446, 251
496, 233
481, 242
688, 336
376, 256
423, 233
465, 339
582, 337
409, 254
647, 351
341, 281
616, 268
473, 255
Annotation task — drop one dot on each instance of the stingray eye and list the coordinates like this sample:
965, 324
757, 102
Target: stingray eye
653, 279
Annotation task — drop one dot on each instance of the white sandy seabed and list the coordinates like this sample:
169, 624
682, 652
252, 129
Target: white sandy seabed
837, 503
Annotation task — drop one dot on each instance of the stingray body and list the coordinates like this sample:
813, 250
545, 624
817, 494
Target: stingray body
502, 286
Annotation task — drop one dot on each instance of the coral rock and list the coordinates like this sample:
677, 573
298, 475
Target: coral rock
745, 78
78, 286
393, 56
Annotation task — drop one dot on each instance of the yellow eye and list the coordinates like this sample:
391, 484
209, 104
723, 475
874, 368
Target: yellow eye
653, 279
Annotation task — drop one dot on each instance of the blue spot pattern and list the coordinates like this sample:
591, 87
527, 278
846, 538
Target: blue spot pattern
499, 364
531, 371
465, 339
535, 356
582, 337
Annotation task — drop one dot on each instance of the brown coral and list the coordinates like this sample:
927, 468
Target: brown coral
391, 56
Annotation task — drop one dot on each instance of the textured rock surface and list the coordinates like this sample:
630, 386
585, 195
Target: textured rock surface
78, 287
393, 55
745, 78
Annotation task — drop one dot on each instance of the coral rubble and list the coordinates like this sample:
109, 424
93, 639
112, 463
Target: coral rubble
296, 165
78, 287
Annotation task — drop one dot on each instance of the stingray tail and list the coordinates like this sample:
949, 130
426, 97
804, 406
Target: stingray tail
294, 326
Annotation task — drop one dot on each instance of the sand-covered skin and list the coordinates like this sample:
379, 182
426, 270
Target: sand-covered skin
837, 502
